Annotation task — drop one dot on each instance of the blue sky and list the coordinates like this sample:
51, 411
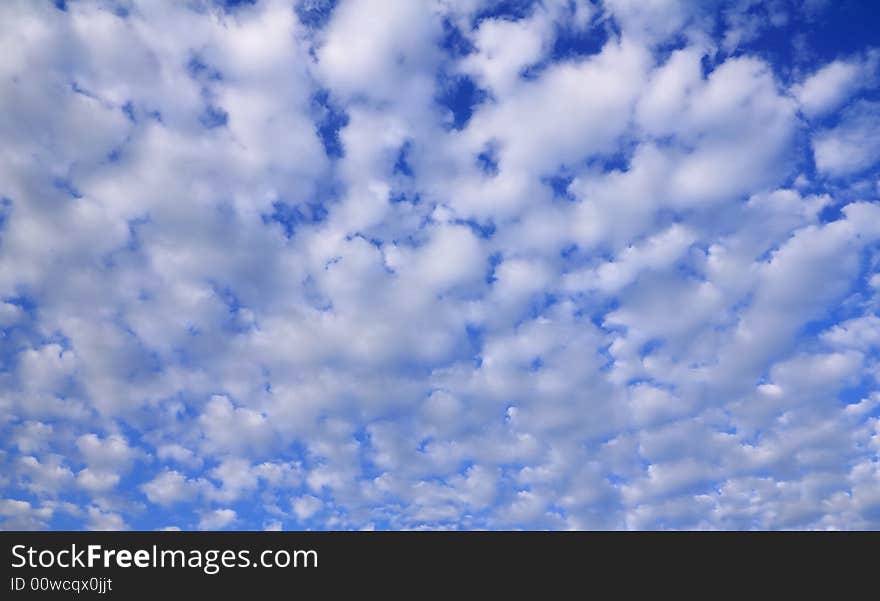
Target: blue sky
468, 264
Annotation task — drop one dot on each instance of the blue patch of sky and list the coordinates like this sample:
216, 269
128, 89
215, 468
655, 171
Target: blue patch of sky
456, 92
329, 120
539, 305
291, 217
315, 13
5, 211
201, 71
559, 184
512, 10
403, 174
618, 160
228, 296
460, 95
650, 346
65, 185
128, 111
475, 336
483, 230
569, 252
398, 197
832, 212
78, 89
600, 311
134, 239
213, 117
570, 42
809, 38
494, 261
231, 5
401, 163
454, 41
25, 302
664, 50
487, 159
375, 242
858, 389
114, 155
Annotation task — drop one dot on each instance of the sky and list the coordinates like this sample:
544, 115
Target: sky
439, 264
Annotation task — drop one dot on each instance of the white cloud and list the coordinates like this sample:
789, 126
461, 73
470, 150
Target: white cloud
169, 487
96, 481
306, 506
47, 477
110, 453
861, 333
614, 294
21, 515
217, 519
105, 520
833, 84
376, 48
852, 145
505, 48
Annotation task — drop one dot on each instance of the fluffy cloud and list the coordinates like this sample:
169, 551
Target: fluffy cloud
451, 263
168, 487
834, 83
851, 146
217, 519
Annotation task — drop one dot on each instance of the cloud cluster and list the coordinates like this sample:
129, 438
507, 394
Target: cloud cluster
436, 264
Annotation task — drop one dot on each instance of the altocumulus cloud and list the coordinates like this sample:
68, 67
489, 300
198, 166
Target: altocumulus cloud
439, 264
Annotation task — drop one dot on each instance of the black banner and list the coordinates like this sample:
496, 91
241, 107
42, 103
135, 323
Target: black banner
125, 565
